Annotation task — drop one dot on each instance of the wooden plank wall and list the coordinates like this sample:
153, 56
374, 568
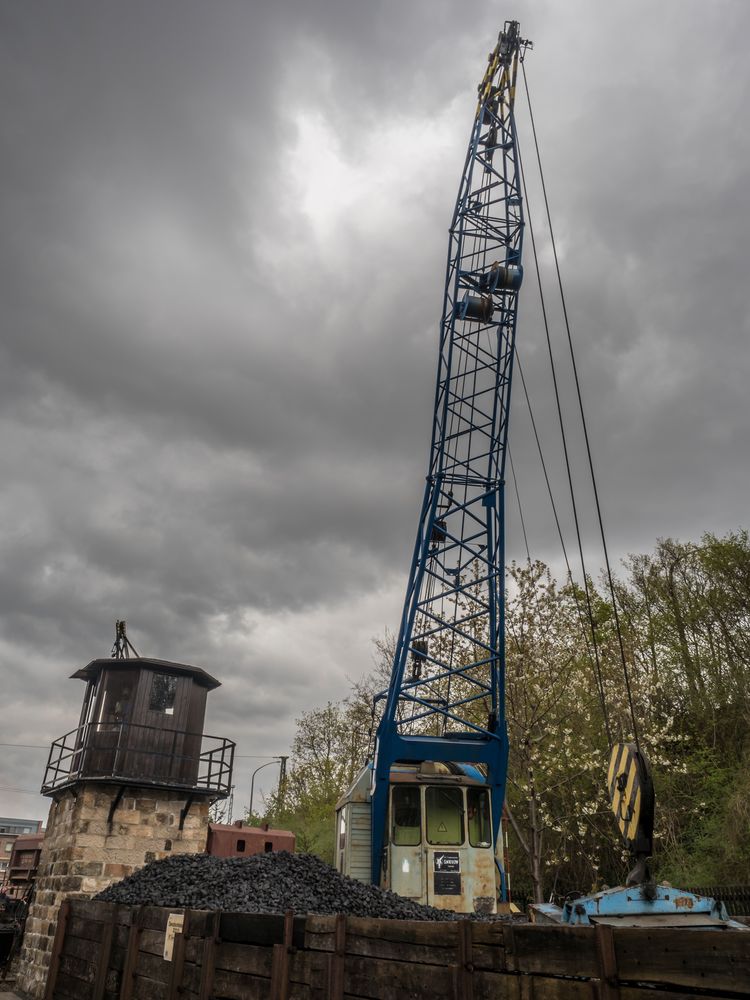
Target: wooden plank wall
109, 952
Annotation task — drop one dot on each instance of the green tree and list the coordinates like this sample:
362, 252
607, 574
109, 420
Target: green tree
329, 747
685, 616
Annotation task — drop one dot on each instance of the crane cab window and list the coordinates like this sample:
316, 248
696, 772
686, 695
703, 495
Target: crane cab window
406, 816
341, 846
445, 815
478, 817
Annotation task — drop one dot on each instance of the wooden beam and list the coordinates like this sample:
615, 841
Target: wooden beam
609, 984
105, 951
336, 963
280, 963
131, 955
178, 960
464, 969
208, 963
509, 943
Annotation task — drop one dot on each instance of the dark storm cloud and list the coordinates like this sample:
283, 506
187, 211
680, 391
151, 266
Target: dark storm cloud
223, 242
648, 170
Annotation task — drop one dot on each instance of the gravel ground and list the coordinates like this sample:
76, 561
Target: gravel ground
262, 883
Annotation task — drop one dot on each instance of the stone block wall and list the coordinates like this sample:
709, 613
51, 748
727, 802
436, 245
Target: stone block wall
81, 856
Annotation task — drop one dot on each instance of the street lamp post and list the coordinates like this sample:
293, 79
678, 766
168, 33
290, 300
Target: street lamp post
276, 760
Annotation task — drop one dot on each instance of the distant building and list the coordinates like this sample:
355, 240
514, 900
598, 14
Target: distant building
9, 830
24, 861
237, 840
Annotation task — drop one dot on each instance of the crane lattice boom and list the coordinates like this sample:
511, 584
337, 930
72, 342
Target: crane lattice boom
445, 701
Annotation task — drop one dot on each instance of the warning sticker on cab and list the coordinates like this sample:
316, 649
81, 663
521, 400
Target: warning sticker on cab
446, 861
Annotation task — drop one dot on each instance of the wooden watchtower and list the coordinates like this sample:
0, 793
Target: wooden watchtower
132, 783
141, 724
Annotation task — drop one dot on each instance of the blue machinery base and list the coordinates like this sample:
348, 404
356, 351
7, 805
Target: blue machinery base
646, 905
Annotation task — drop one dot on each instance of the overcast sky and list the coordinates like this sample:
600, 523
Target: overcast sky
223, 230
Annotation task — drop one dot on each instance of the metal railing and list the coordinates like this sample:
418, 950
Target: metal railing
123, 752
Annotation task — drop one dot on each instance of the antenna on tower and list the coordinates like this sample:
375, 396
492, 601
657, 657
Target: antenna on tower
122, 647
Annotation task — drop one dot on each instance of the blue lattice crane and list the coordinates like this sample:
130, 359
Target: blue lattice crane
445, 703
424, 817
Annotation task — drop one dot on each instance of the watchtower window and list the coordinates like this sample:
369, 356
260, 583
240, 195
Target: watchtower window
117, 700
163, 693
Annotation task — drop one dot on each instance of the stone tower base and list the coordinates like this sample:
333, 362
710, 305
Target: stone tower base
81, 855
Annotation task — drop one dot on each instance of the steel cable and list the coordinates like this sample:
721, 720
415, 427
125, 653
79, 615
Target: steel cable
611, 588
586, 588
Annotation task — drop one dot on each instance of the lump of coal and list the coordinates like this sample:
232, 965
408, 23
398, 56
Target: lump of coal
262, 883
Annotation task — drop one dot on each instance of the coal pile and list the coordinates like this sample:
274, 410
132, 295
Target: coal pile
262, 883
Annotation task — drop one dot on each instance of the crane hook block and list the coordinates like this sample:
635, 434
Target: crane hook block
476, 308
631, 792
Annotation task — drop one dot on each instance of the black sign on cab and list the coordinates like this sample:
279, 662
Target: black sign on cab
446, 861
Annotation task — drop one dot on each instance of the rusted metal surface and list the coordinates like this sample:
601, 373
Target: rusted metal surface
238, 840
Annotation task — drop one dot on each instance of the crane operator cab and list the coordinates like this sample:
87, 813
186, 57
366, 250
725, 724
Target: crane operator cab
438, 849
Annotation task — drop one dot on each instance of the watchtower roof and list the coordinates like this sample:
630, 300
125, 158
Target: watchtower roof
93, 669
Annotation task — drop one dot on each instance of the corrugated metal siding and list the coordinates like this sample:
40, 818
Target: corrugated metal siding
360, 840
